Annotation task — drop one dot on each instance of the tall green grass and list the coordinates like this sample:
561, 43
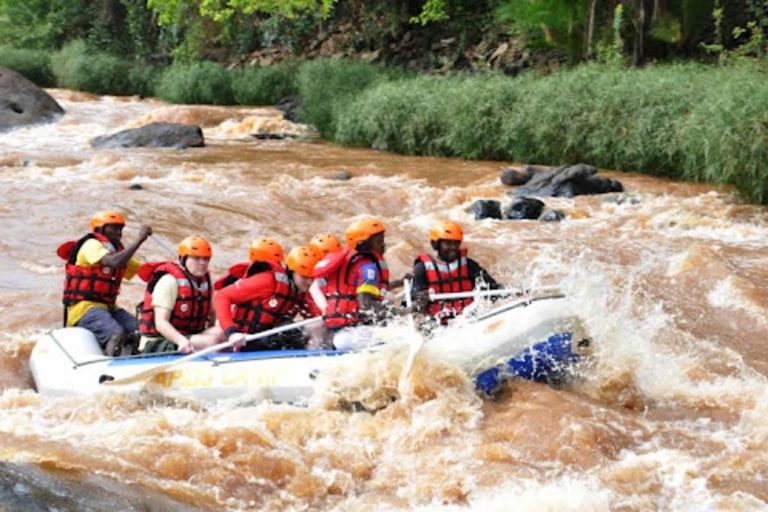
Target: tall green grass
196, 83
76, 67
264, 85
684, 121
327, 87
35, 65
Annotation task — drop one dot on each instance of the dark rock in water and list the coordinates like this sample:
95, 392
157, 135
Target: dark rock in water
524, 208
136, 186
269, 136
288, 107
486, 209
23, 103
620, 198
552, 216
569, 181
340, 176
516, 177
154, 135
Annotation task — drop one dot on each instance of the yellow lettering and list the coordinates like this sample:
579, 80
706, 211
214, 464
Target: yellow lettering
173, 376
234, 379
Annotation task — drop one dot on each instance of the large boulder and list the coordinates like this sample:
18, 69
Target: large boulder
569, 181
23, 103
154, 135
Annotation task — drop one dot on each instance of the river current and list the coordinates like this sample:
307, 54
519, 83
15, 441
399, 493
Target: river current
671, 281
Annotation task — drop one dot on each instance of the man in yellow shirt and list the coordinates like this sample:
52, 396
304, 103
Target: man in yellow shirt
176, 314
96, 266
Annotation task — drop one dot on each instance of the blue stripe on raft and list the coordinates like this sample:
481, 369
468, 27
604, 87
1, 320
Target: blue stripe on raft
538, 363
223, 357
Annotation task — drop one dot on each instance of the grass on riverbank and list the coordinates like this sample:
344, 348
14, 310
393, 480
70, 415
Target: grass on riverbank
76, 68
686, 121
33, 64
683, 121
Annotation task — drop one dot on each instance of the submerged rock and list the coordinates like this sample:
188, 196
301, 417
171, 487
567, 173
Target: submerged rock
154, 135
23, 103
341, 175
485, 209
552, 216
269, 136
569, 181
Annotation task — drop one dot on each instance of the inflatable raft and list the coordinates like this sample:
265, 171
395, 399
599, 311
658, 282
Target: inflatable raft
536, 339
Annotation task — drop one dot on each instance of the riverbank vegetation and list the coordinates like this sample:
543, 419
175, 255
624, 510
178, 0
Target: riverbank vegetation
671, 88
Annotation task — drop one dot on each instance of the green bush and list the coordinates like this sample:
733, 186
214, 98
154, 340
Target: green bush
688, 122
196, 83
325, 86
264, 85
76, 67
33, 64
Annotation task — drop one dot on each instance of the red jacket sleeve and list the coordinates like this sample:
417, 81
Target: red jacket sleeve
254, 288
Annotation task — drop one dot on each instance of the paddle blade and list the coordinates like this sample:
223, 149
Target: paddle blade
146, 270
65, 250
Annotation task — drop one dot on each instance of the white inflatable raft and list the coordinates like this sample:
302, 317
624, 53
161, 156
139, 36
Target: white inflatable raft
534, 338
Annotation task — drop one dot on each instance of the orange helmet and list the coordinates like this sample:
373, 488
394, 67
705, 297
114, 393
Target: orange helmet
265, 249
302, 260
325, 243
361, 230
101, 219
195, 246
446, 231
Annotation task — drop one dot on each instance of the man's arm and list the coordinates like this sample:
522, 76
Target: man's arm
419, 287
120, 259
168, 331
476, 271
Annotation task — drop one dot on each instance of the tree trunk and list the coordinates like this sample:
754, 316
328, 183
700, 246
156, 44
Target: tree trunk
590, 30
638, 50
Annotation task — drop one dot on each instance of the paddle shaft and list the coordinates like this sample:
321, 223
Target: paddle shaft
165, 245
490, 293
151, 372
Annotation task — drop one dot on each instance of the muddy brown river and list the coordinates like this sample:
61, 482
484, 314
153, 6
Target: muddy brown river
671, 279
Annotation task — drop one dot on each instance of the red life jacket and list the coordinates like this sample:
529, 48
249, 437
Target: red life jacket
445, 277
97, 284
265, 313
193, 301
235, 272
343, 308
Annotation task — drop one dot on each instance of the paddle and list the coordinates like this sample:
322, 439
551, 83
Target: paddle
419, 340
156, 370
165, 245
490, 293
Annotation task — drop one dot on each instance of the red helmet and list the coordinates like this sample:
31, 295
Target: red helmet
302, 260
446, 231
361, 230
265, 249
101, 219
195, 246
324, 244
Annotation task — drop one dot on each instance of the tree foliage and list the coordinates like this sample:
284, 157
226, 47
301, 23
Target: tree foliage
222, 10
